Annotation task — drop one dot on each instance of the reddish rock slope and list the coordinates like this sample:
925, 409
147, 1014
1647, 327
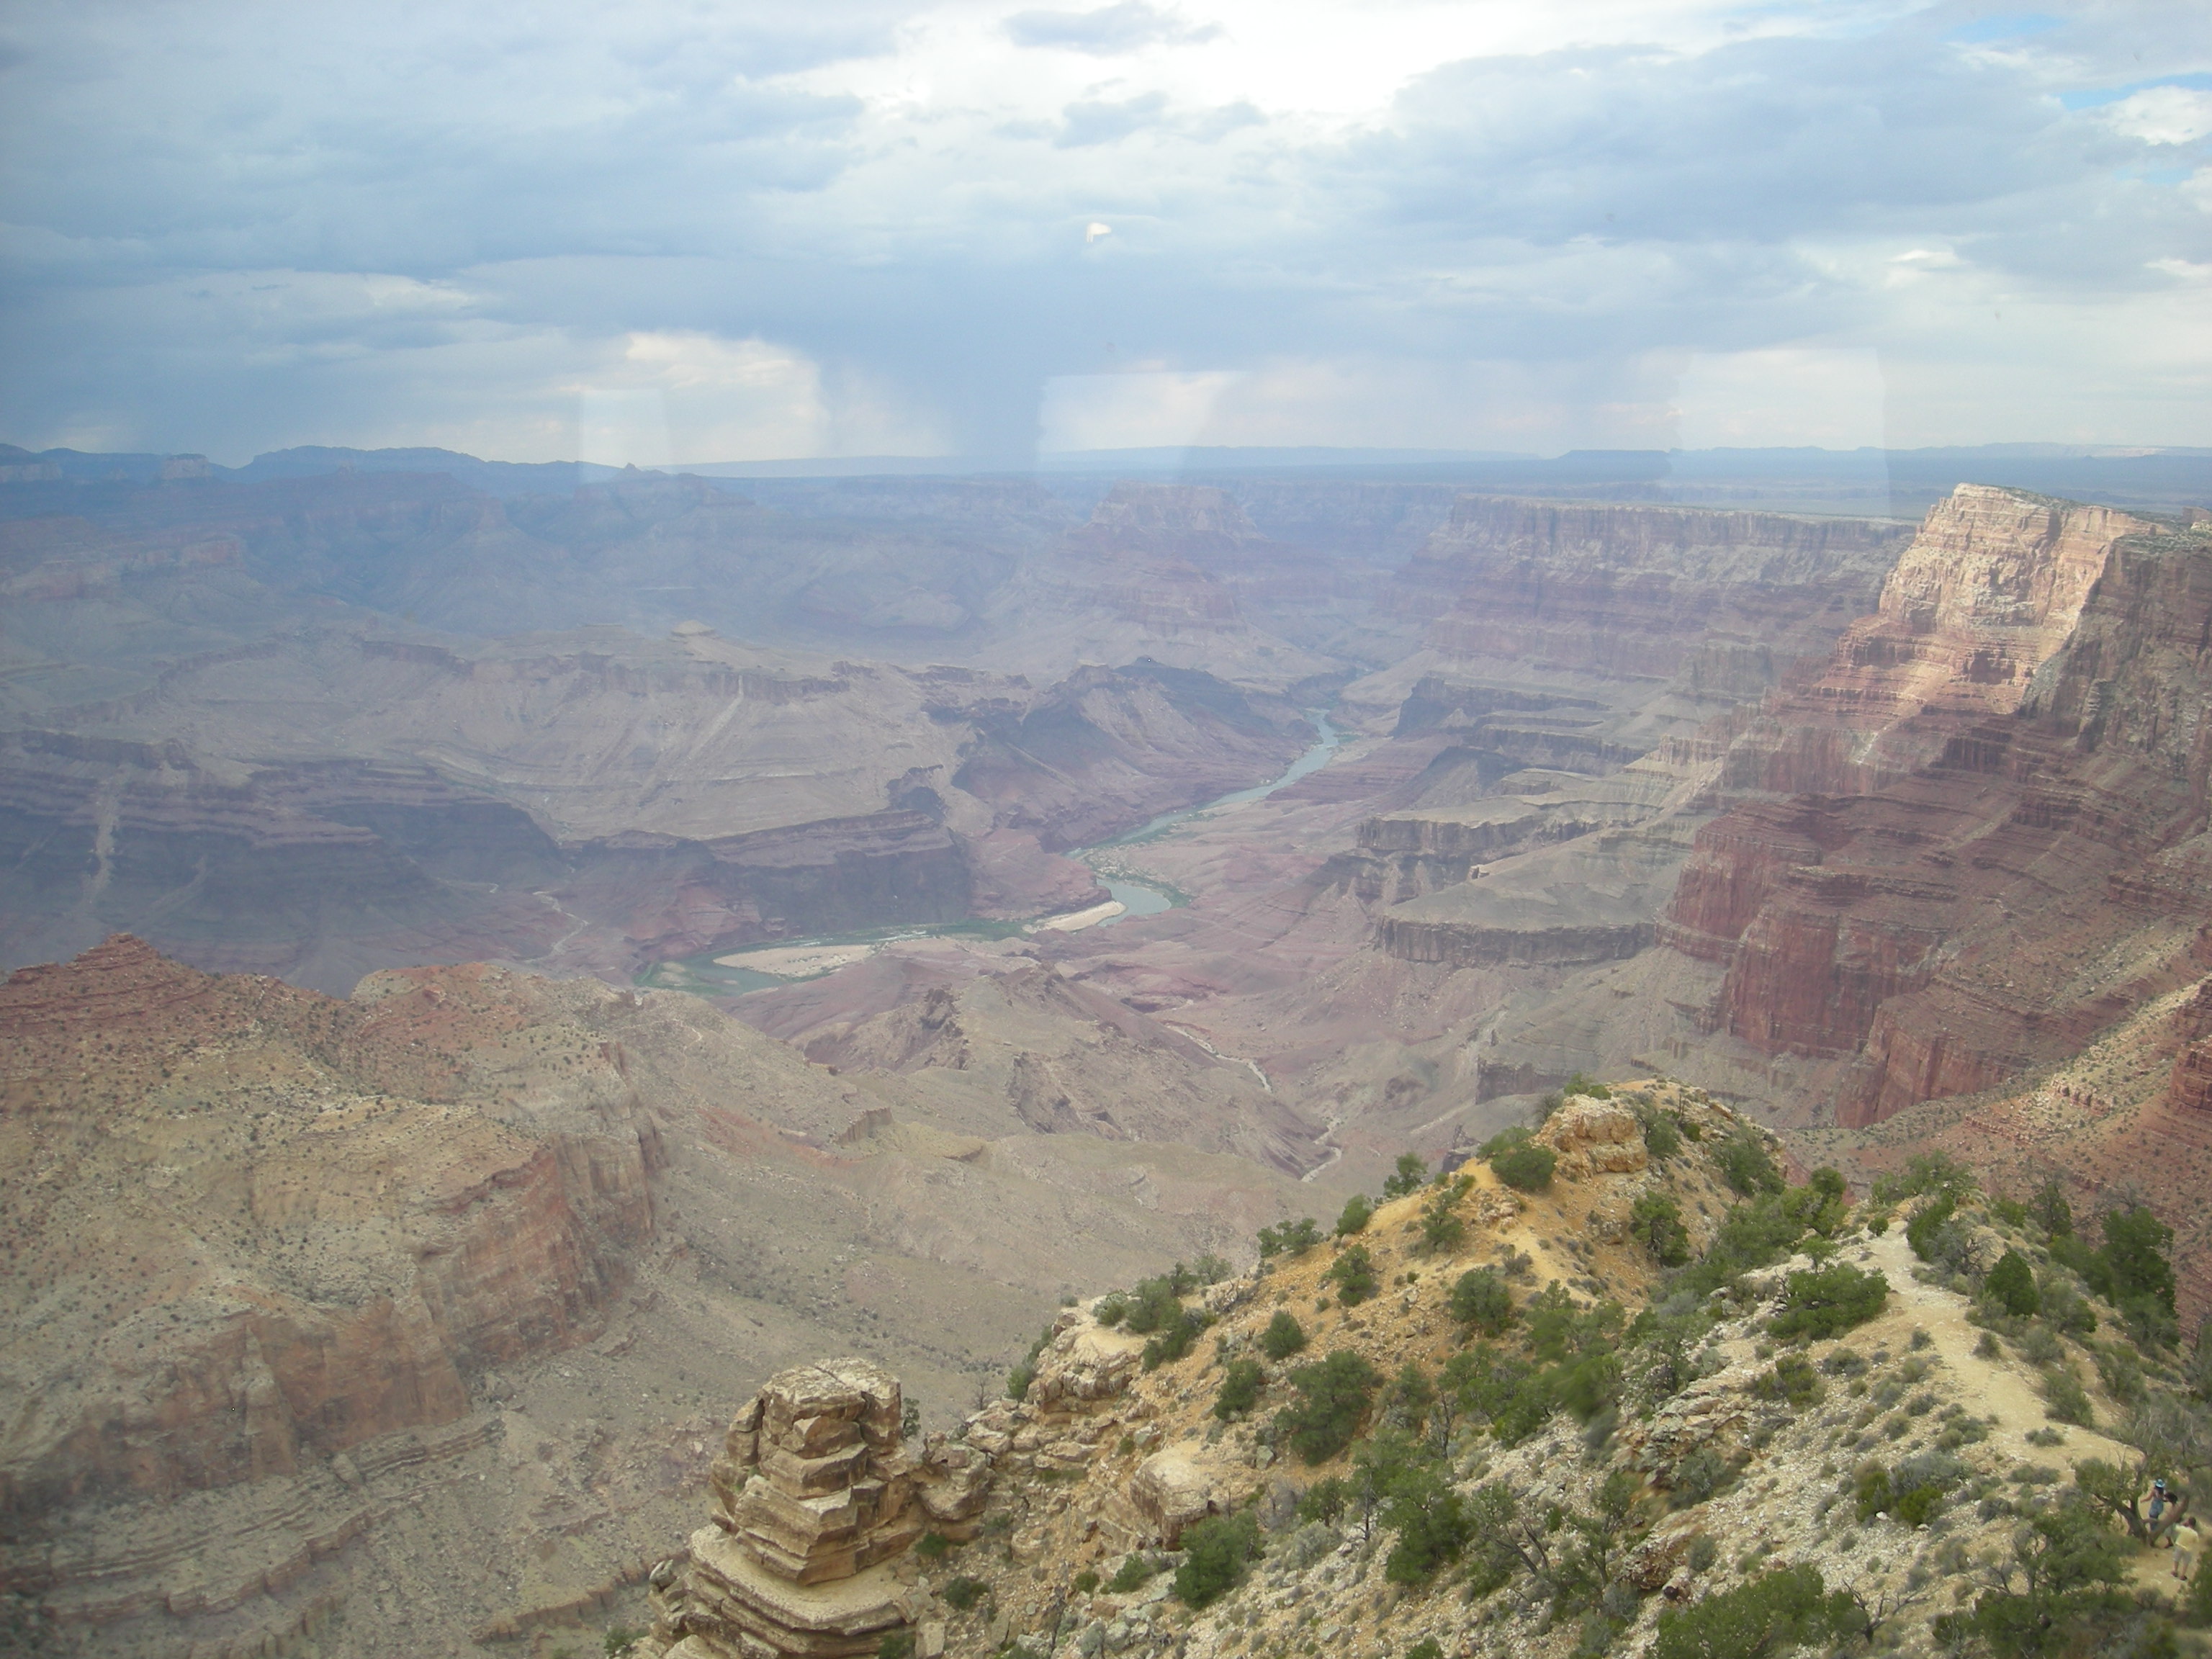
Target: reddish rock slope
1971, 842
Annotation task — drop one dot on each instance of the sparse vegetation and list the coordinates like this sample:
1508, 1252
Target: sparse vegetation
1357, 1213
1215, 1553
1353, 1274
1480, 1301
1520, 1161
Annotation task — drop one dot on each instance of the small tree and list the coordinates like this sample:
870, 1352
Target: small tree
1332, 1398
1240, 1388
1357, 1212
1284, 1336
1411, 1174
1353, 1274
1480, 1301
2011, 1285
1289, 1238
1215, 1551
1527, 1165
1656, 1219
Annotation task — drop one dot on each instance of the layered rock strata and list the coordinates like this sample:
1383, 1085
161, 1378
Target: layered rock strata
817, 1494
1973, 840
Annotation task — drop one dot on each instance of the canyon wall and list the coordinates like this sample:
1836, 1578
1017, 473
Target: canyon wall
1969, 841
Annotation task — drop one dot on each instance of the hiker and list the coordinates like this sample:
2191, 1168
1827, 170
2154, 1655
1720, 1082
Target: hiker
2156, 1515
2185, 1542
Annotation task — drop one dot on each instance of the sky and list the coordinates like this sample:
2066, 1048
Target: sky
671, 232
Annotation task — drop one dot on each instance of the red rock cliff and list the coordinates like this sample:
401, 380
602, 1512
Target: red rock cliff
1966, 844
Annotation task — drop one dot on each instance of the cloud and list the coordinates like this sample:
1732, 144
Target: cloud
1412, 224
1109, 32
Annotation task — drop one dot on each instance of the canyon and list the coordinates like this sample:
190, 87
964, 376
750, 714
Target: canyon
369, 1191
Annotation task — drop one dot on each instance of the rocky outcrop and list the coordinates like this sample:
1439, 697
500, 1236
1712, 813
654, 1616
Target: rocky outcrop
818, 1493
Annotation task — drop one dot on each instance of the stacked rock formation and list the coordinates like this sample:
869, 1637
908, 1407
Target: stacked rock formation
818, 1496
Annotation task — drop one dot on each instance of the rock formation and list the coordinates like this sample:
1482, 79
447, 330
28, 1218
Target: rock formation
817, 1495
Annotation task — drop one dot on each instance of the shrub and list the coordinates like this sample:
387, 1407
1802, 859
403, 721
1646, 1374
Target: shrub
1662, 1139
896, 1644
1440, 1230
963, 1593
1284, 1336
1920, 1232
1771, 1614
1155, 1305
1357, 1212
1113, 1309
1656, 1219
1698, 1475
1289, 1238
1828, 1301
1431, 1524
2011, 1285
1526, 1165
2065, 1399
1174, 1340
1480, 1301
1240, 1388
1333, 1396
1793, 1379
2135, 1246
1215, 1551
1352, 1273
1747, 1164
1134, 1573
932, 1547
1409, 1178
1325, 1501
2050, 1210
1427, 1648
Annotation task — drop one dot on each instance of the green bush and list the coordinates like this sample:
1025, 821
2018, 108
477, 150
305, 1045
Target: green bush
1175, 1339
1431, 1524
1480, 1301
1357, 1212
1134, 1573
1747, 1166
1084, 1583
1240, 1388
963, 1593
1352, 1273
1289, 1238
1284, 1336
1154, 1306
1332, 1395
1655, 1220
1112, 1309
1793, 1379
2011, 1285
1825, 1302
2064, 1400
1411, 1174
1427, 1648
1215, 1551
896, 1644
1440, 1230
932, 1547
1770, 1614
1920, 1232
1325, 1501
1662, 1139
1526, 1166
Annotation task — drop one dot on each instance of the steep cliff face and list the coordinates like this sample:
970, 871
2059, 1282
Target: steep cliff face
266, 1287
1718, 599
1968, 841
